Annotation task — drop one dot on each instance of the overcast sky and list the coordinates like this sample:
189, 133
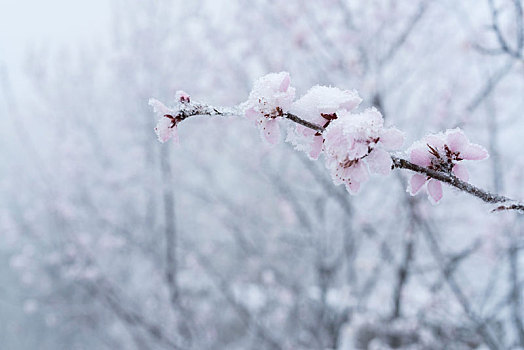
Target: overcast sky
53, 23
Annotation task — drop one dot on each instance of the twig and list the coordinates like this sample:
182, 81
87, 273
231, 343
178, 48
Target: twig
490, 85
399, 42
403, 272
128, 315
503, 43
515, 294
243, 312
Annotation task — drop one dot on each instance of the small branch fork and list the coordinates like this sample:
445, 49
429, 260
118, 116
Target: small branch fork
504, 203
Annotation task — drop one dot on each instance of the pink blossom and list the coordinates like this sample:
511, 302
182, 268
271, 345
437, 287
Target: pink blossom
442, 152
319, 106
269, 100
166, 127
182, 96
435, 190
357, 144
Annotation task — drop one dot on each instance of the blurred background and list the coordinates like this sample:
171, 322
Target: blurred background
111, 240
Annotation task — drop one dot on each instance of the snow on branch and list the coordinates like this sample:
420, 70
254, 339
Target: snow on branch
354, 144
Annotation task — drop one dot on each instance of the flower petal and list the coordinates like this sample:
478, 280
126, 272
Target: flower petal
359, 172
379, 162
353, 187
474, 152
456, 140
316, 147
415, 183
420, 156
271, 131
435, 140
352, 100
159, 108
182, 96
165, 130
358, 149
434, 191
392, 139
461, 172
284, 85
251, 114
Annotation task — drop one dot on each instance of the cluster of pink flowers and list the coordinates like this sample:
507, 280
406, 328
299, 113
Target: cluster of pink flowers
166, 127
354, 144
357, 144
319, 106
442, 152
269, 100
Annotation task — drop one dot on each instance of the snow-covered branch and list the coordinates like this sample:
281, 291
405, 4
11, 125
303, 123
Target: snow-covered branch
354, 144
505, 202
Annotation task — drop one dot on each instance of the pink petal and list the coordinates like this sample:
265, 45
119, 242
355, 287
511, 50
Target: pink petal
456, 140
336, 179
159, 108
358, 172
474, 152
353, 187
302, 130
182, 96
420, 156
164, 131
392, 139
308, 132
435, 140
461, 172
415, 183
434, 191
379, 162
285, 83
271, 131
352, 101
174, 135
251, 114
316, 147
344, 173
358, 149
335, 141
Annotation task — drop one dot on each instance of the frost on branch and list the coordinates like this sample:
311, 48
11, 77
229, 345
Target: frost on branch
166, 127
357, 144
269, 100
442, 152
319, 106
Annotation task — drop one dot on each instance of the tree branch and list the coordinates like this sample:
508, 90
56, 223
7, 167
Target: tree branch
128, 315
507, 203
503, 42
194, 109
403, 271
